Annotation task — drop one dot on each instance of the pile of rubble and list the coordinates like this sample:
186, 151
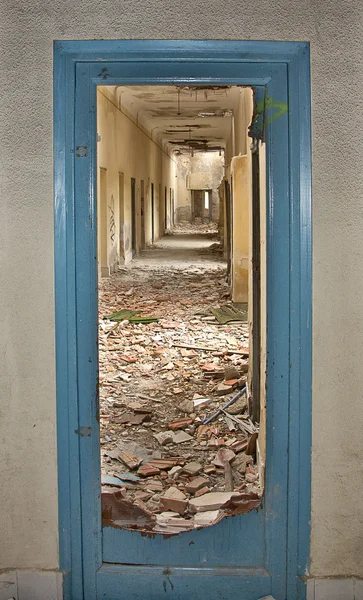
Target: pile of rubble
178, 448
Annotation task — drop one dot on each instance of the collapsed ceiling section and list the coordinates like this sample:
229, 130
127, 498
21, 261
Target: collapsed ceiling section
185, 119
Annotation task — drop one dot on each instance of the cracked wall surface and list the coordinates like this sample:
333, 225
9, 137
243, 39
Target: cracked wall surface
28, 491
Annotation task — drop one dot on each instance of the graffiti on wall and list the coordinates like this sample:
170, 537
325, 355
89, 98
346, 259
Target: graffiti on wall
266, 110
112, 222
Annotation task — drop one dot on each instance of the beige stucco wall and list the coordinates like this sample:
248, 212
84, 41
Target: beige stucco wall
125, 148
28, 491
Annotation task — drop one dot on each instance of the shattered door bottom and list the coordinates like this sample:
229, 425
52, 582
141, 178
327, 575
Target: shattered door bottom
164, 469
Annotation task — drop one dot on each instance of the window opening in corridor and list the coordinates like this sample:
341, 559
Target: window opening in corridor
182, 318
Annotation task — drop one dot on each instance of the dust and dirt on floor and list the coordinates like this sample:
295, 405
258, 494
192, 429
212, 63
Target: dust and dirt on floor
177, 444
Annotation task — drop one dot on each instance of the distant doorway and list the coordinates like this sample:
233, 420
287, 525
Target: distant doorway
133, 216
201, 205
152, 214
142, 212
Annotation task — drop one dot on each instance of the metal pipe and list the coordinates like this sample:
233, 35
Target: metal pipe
220, 410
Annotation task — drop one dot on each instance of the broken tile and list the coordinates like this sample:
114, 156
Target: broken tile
128, 477
239, 445
203, 519
140, 495
175, 471
130, 460
195, 484
113, 481
222, 389
202, 491
208, 469
133, 418
114, 454
192, 468
148, 471
173, 499
163, 463
211, 501
180, 424
154, 486
181, 437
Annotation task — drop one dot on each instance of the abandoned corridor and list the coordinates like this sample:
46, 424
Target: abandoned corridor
160, 380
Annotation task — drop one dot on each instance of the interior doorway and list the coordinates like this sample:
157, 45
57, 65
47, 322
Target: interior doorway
142, 212
188, 395
133, 216
165, 208
111, 557
152, 214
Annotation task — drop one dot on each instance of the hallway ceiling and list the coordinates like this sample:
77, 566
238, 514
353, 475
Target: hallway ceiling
183, 117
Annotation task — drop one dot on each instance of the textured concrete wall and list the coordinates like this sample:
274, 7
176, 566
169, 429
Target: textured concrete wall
205, 171
28, 491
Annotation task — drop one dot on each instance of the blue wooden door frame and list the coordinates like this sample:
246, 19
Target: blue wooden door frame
284, 520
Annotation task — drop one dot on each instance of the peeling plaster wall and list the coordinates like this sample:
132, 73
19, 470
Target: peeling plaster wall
28, 491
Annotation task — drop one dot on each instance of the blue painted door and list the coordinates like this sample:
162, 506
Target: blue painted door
249, 556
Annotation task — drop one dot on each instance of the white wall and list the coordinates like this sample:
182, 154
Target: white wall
28, 490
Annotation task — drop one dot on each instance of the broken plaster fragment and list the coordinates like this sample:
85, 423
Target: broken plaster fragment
186, 407
211, 501
175, 472
181, 437
204, 519
239, 406
192, 468
174, 500
200, 403
164, 437
222, 389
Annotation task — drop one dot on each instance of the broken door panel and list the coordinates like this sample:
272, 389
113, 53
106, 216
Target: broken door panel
224, 545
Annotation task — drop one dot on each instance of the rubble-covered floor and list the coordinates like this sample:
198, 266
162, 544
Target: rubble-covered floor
163, 470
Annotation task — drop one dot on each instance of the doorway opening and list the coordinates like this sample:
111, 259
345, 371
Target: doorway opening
133, 217
181, 314
266, 551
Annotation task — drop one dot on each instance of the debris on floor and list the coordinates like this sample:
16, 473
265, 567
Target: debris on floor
227, 313
178, 448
